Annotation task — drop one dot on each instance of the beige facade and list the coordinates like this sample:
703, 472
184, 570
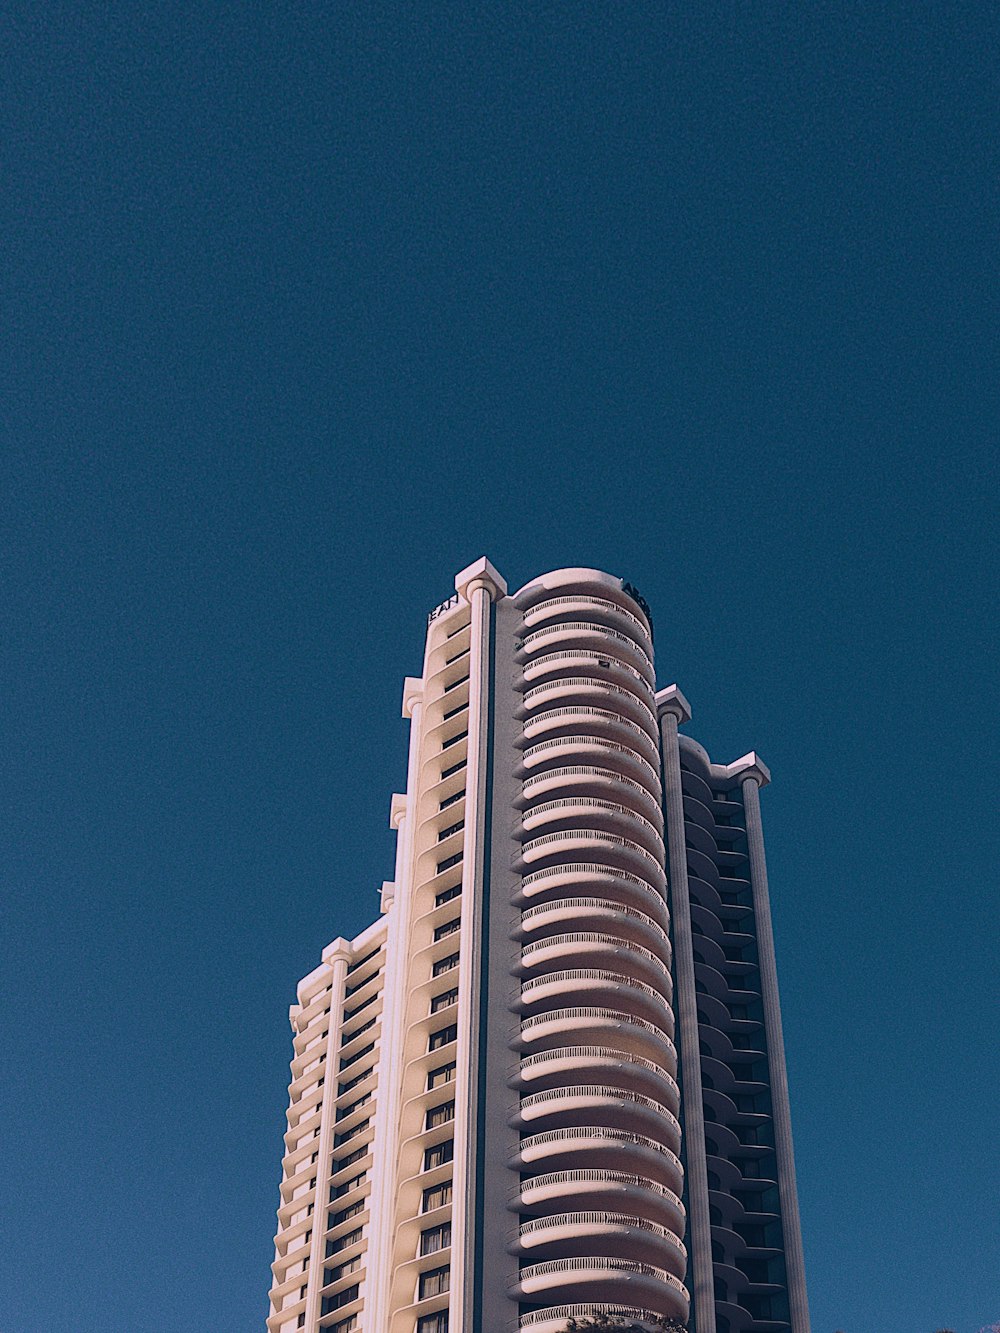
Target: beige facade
483, 1128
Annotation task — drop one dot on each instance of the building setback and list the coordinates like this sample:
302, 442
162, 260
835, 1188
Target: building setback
549, 1081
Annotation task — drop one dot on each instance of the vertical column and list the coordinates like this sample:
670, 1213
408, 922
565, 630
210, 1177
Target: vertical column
385, 1147
479, 584
672, 709
336, 956
794, 1264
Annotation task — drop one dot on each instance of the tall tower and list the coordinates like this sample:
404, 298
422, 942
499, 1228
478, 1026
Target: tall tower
493, 1124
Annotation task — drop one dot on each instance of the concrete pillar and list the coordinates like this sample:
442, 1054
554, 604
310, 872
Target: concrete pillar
479, 585
788, 1195
336, 956
672, 708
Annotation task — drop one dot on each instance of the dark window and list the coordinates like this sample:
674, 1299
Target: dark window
452, 828
453, 740
454, 685
446, 895
440, 1115
447, 928
341, 1299
435, 1238
448, 862
445, 1000
439, 1154
437, 1078
343, 1242
436, 1197
455, 768
345, 1214
441, 966
433, 1323
434, 1282
443, 1037
450, 800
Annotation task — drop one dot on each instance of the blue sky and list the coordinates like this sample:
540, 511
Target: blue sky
305, 309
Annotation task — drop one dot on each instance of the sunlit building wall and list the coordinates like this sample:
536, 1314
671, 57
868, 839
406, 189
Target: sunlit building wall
495, 1122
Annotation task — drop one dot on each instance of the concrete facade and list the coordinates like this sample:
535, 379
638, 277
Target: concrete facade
486, 1108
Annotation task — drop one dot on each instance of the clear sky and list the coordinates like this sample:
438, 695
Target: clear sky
307, 306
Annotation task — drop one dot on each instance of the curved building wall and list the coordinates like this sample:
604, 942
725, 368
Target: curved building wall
531, 1093
598, 1200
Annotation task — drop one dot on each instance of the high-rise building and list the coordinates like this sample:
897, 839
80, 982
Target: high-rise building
495, 1122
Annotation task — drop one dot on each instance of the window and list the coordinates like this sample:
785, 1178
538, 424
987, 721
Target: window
353, 1082
452, 828
443, 1037
454, 685
455, 768
433, 1323
339, 1163
353, 967
365, 1027
301, 1321
342, 1270
450, 800
338, 1191
345, 1241
349, 1134
459, 708
435, 1238
439, 1155
447, 928
437, 1078
435, 1281
348, 1325
441, 966
341, 1299
352, 1210
445, 1000
453, 740
436, 1197
446, 895
358, 1055
448, 862
350, 1013
344, 1111
440, 1115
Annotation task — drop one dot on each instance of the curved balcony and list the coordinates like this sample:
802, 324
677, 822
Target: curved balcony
627, 697
627, 924
620, 1191
554, 1320
601, 721
593, 780
594, 1104
559, 751
564, 1065
600, 666
580, 605
598, 948
574, 877
592, 985
596, 1025
594, 812
578, 843
601, 1146
602, 1278
589, 635
626, 1235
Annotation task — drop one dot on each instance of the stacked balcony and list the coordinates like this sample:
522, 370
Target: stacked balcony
600, 1214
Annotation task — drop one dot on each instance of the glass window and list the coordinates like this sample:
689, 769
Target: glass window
435, 1238
436, 1197
435, 1281
439, 1154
